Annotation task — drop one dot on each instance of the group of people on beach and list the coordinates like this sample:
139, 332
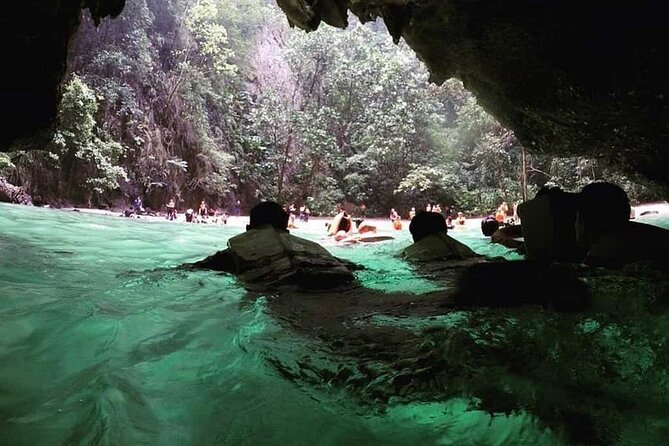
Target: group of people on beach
203, 214
452, 220
293, 215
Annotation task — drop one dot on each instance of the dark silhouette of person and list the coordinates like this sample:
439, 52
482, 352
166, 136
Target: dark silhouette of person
489, 225
431, 241
425, 224
548, 226
268, 213
604, 231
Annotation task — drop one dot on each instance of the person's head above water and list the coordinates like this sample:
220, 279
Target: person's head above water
425, 224
268, 213
549, 190
602, 208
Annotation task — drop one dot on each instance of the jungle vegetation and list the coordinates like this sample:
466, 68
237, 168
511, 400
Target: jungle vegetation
221, 100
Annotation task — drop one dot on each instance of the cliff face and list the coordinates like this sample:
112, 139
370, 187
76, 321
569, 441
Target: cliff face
571, 78
35, 35
587, 78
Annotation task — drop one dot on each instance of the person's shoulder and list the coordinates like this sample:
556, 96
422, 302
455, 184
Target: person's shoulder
632, 243
438, 246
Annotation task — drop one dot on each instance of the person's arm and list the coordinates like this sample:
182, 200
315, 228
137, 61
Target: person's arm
220, 261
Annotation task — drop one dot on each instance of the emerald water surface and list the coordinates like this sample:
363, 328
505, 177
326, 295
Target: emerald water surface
104, 340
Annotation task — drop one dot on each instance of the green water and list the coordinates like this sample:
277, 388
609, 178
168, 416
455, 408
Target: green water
104, 341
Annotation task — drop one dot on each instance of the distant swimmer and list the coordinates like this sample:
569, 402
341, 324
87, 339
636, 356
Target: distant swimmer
343, 231
460, 220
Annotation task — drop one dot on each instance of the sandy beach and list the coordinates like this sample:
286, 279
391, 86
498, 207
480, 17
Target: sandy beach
653, 210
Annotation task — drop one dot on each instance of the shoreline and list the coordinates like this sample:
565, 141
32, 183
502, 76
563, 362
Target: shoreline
657, 207
644, 210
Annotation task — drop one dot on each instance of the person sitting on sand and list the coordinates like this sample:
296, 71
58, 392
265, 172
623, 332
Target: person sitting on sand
268, 253
431, 241
189, 215
130, 212
137, 205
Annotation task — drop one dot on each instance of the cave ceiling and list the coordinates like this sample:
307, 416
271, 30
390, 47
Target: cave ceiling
35, 36
570, 78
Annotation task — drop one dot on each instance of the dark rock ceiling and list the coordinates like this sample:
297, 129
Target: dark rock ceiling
571, 78
35, 35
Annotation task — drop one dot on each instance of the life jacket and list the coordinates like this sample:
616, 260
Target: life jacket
397, 224
438, 247
271, 256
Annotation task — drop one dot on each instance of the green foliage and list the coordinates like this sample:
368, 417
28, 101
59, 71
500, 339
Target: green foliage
211, 36
87, 156
219, 99
6, 165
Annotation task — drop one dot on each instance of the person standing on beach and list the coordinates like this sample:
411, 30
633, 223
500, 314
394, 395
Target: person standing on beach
137, 205
171, 210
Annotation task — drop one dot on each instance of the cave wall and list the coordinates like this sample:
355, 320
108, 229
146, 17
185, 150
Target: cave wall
35, 35
571, 78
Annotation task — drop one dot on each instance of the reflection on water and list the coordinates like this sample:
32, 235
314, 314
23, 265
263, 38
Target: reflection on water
103, 340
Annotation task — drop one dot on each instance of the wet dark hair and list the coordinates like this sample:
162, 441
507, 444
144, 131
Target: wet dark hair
549, 190
427, 223
489, 225
603, 207
268, 213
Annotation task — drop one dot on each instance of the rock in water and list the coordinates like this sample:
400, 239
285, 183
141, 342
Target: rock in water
13, 194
